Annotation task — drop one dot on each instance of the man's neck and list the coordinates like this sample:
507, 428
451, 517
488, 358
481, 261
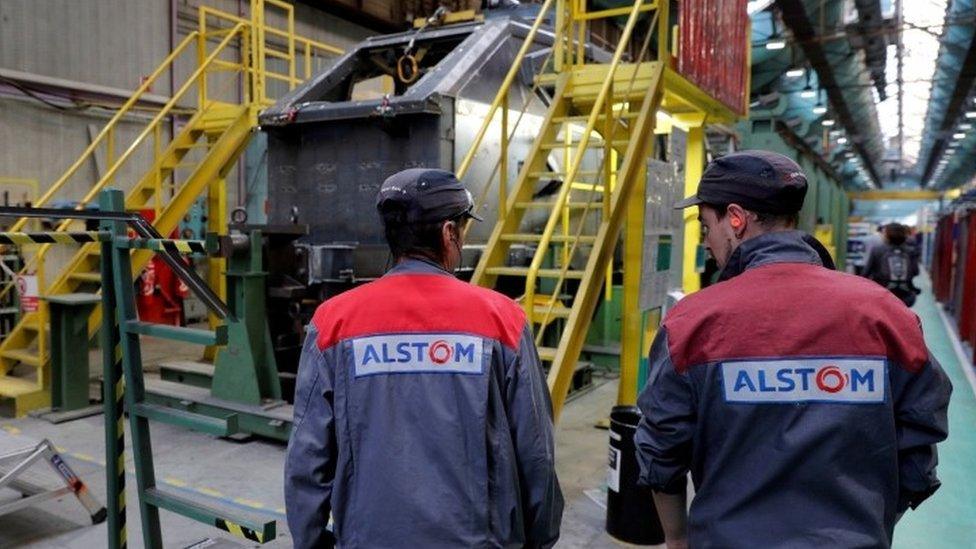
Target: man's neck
425, 259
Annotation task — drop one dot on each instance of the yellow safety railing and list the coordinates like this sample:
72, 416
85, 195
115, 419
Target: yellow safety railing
602, 105
230, 32
294, 49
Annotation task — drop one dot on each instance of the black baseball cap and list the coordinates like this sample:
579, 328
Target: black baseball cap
425, 195
761, 181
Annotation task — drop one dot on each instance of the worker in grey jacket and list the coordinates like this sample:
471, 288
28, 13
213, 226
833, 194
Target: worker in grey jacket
422, 418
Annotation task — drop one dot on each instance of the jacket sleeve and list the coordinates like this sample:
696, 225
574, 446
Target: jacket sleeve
871, 265
529, 409
311, 458
667, 426
921, 421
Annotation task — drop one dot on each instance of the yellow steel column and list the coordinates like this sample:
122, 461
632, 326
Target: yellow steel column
559, 53
694, 165
216, 223
631, 317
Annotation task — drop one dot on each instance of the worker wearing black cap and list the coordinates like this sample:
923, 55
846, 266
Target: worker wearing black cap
422, 418
802, 400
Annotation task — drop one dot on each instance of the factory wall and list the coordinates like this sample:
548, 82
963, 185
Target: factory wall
825, 204
106, 43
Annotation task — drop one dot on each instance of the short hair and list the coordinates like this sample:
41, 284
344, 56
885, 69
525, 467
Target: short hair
406, 239
766, 219
896, 234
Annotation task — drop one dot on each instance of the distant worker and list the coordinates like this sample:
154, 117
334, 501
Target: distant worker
871, 242
422, 417
802, 400
894, 264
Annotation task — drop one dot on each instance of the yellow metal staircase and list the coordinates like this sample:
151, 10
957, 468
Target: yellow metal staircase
565, 277
588, 158
195, 160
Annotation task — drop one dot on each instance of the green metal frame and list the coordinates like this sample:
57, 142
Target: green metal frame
122, 363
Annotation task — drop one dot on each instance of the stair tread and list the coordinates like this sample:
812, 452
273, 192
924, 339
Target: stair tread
547, 353
531, 237
550, 205
558, 311
592, 144
19, 355
523, 271
585, 117
14, 386
556, 175
88, 277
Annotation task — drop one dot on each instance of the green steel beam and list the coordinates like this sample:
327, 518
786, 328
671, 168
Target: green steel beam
217, 426
179, 333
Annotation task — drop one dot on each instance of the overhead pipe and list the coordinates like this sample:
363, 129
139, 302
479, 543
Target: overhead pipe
841, 72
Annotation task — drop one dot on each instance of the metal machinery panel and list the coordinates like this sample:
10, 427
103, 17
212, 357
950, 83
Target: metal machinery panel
328, 152
332, 142
663, 234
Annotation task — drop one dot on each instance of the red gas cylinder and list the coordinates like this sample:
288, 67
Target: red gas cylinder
159, 292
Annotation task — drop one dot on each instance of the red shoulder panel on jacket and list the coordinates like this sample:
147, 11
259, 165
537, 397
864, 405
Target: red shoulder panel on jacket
419, 303
793, 309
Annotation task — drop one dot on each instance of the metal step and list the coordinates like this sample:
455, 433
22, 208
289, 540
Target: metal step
585, 117
559, 175
86, 277
592, 144
253, 527
551, 205
221, 427
528, 237
558, 311
547, 353
524, 271
22, 356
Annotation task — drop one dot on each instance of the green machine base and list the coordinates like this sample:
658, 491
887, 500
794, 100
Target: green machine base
241, 389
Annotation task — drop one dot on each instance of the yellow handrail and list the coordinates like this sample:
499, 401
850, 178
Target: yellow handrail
251, 67
503, 90
109, 127
606, 190
149, 129
561, 199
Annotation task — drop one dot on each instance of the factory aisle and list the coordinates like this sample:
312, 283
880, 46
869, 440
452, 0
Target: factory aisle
948, 518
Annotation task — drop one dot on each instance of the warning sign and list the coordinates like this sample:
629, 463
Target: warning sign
27, 288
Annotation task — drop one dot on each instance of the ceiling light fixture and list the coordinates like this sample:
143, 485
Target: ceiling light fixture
820, 109
775, 45
827, 122
794, 73
958, 135
965, 126
970, 114
842, 140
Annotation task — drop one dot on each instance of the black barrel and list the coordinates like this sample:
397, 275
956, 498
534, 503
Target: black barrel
631, 516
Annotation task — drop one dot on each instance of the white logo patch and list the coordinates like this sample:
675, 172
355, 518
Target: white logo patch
417, 354
848, 380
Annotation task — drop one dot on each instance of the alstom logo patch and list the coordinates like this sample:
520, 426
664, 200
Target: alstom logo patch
418, 353
850, 380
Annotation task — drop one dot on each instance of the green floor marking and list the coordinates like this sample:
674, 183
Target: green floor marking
948, 518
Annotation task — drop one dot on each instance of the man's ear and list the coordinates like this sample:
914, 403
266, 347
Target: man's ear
448, 233
738, 218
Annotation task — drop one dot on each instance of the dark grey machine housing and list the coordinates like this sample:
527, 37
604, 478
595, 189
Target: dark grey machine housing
328, 153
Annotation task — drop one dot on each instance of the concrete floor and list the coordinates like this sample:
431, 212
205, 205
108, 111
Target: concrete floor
247, 475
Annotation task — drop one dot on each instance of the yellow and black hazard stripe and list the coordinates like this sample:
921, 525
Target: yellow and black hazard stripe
20, 239
239, 531
118, 388
184, 246
172, 246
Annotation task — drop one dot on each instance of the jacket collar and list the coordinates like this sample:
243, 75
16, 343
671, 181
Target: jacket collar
776, 247
416, 265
